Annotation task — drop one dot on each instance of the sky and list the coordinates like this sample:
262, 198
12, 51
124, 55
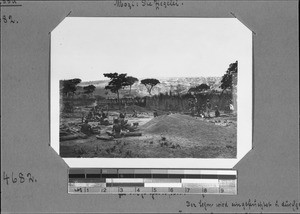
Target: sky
87, 47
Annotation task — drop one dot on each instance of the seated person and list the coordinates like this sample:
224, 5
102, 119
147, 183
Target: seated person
122, 116
116, 128
103, 115
86, 128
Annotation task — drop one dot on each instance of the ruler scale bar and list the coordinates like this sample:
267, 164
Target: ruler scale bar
136, 181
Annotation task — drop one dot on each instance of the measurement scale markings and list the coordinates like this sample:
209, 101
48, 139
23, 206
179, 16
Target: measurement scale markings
162, 184
87, 184
115, 181
162, 180
87, 180
76, 175
201, 181
125, 180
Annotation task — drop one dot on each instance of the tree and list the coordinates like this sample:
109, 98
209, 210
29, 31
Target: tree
89, 89
130, 81
117, 82
203, 87
226, 82
149, 84
69, 86
199, 88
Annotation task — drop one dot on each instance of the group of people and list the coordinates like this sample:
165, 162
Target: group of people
96, 114
118, 125
121, 124
203, 110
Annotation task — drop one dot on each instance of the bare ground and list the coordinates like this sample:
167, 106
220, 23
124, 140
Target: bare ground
166, 136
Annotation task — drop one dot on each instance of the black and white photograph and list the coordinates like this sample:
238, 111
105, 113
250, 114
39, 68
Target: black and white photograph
148, 87
149, 106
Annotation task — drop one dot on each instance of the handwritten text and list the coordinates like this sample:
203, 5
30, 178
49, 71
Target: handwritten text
157, 4
18, 178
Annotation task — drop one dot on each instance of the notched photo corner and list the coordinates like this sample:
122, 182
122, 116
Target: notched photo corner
161, 88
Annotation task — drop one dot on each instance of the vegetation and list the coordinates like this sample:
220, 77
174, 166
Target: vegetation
130, 81
117, 82
175, 98
89, 89
226, 82
69, 86
199, 88
179, 89
149, 84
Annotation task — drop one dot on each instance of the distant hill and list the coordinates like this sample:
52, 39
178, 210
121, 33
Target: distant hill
97, 83
174, 84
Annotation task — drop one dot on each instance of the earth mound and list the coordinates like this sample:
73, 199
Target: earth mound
191, 129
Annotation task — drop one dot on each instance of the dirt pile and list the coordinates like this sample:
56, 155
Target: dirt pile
190, 129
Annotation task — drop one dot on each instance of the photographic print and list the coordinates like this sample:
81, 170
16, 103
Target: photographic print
147, 87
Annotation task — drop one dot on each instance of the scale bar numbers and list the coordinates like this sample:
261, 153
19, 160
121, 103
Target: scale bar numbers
136, 181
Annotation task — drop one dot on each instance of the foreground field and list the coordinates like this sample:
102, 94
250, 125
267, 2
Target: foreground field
166, 136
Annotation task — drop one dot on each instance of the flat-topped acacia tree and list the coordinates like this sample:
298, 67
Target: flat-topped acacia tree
130, 81
149, 84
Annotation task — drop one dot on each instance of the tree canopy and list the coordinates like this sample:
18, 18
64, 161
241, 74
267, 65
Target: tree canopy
130, 81
226, 82
199, 88
149, 84
69, 86
117, 82
89, 89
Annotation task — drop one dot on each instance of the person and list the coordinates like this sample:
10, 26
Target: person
86, 128
155, 114
208, 107
122, 116
103, 115
116, 129
217, 112
90, 115
82, 116
231, 107
134, 113
122, 119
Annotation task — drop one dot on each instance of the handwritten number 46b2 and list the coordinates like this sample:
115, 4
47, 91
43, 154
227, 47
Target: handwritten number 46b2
19, 178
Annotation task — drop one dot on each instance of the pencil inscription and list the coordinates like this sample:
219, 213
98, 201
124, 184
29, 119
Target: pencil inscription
18, 178
157, 4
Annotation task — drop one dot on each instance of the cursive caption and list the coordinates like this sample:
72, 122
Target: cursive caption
245, 205
204, 205
18, 178
156, 4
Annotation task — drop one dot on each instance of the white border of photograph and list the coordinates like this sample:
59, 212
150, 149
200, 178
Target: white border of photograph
244, 124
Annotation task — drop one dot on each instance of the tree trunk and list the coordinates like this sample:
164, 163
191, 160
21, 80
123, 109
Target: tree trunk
118, 100
222, 92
